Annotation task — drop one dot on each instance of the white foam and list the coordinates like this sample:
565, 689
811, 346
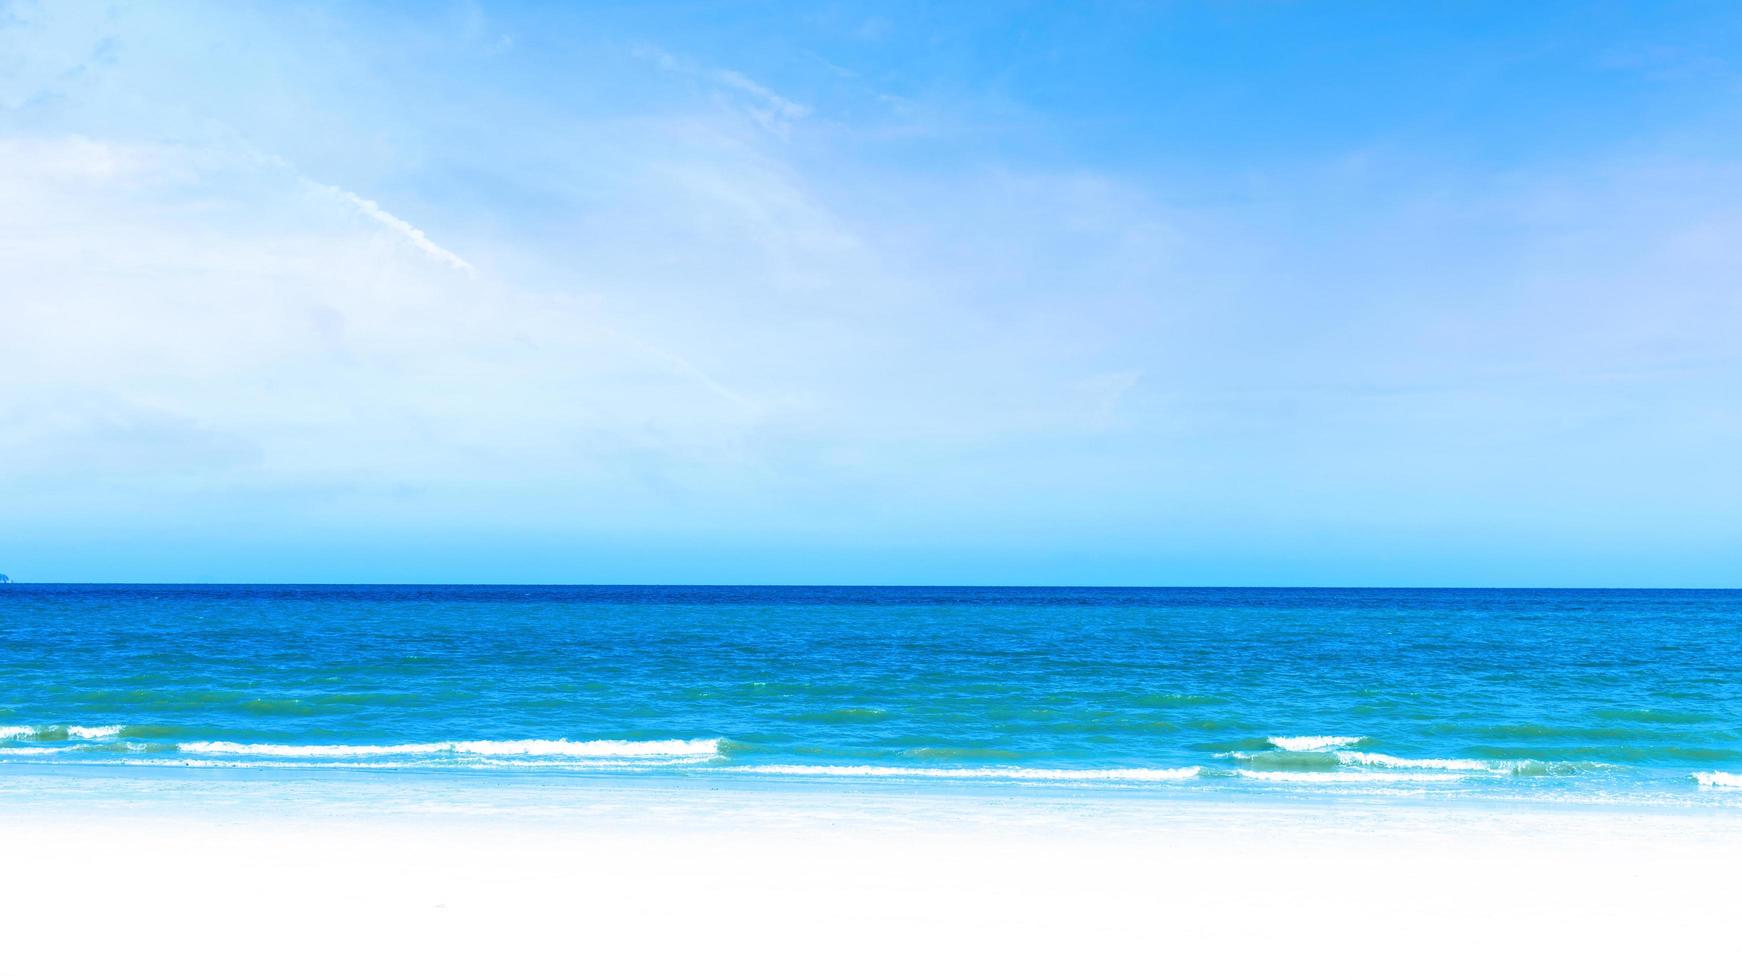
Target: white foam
1312, 743
1395, 762
987, 772
34, 749
601, 763
703, 748
694, 749
1348, 776
93, 731
75, 731
456, 762
1725, 780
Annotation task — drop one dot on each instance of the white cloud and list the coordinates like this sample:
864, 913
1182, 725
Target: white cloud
411, 232
208, 302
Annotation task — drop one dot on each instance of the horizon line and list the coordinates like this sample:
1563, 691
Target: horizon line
838, 585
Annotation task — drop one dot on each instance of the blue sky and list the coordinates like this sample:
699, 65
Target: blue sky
1123, 293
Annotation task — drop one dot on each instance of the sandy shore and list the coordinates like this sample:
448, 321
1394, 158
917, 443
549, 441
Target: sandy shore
813, 885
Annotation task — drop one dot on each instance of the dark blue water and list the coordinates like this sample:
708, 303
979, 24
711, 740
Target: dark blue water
1449, 690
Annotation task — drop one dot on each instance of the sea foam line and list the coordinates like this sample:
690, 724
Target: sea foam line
694, 748
1397, 762
72, 731
1313, 743
1724, 780
468, 763
1376, 760
93, 731
1348, 776
617, 763
986, 772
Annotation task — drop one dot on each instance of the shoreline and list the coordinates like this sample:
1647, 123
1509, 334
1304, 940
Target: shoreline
1697, 790
321, 789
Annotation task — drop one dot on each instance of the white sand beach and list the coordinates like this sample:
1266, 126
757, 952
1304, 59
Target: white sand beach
698, 883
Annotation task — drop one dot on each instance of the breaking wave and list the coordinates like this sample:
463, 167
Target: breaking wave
57, 733
1313, 743
986, 772
1309, 756
1348, 776
694, 748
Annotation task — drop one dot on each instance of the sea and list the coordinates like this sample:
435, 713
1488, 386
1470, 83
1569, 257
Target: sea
1511, 695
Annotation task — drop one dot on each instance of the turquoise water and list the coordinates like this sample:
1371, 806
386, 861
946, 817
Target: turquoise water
1519, 693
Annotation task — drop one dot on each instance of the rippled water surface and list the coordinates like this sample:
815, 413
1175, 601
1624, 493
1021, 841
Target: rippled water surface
1566, 692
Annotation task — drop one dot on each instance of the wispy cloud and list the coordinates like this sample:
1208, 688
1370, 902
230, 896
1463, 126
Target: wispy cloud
409, 231
775, 110
772, 111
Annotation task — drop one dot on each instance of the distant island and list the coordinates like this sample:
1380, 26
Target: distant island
4, 580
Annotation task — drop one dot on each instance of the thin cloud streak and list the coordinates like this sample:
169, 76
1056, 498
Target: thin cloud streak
411, 232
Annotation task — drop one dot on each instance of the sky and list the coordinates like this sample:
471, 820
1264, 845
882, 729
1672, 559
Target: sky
1219, 293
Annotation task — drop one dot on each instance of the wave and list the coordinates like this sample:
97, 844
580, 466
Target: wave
1634, 752
695, 749
1309, 762
1348, 776
457, 762
58, 733
1274, 759
1498, 767
1313, 743
1011, 773
1395, 762
985, 772
1724, 780
93, 731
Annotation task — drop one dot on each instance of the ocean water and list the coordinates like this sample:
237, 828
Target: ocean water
1504, 694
